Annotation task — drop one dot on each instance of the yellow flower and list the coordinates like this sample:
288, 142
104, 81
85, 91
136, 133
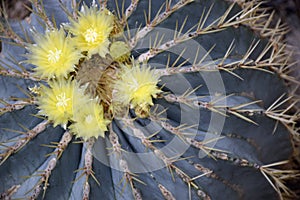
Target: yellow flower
135, 87
57, 101
53, 55
92, 30
89, 120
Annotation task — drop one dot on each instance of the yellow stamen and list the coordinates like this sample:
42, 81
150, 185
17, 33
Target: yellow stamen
62, 101
54, 56
90, 35
88, 119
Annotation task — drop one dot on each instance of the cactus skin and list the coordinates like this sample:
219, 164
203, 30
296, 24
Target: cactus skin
257, 136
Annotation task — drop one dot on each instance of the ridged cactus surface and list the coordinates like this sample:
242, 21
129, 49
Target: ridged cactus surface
178, 100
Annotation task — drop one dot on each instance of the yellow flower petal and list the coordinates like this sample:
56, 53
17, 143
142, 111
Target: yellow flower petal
57, 101
136, 87
89, 120
92, 30
53, 55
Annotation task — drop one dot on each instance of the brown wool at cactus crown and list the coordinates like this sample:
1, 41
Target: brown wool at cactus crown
141, 99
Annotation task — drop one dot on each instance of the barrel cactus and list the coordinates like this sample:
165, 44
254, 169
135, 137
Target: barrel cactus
166, 99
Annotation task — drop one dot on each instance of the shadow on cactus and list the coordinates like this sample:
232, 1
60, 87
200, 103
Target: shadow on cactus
146, 100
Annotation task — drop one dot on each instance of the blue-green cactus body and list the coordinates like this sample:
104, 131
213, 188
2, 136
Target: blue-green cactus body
230, 117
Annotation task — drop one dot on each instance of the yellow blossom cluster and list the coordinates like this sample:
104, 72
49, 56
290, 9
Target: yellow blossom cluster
64, 101
57, 56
